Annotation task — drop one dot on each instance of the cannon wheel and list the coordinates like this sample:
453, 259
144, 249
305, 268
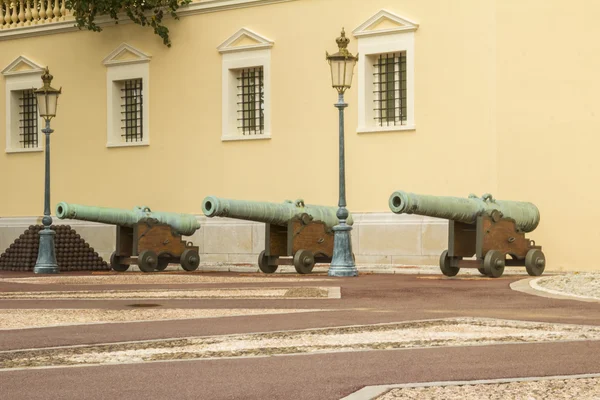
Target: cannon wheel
304, 261
163, 263
263, 264
147, 261
493, 264
190, 260
445, 265
115, 263
535, 262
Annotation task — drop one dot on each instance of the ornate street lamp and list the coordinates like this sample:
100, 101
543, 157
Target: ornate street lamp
342, 67
47, 99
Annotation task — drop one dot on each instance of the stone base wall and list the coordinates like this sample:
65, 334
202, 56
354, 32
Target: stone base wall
377, 238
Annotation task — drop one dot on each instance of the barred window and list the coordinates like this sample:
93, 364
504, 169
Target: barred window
251, 101
389, 89
131, 106
28, 119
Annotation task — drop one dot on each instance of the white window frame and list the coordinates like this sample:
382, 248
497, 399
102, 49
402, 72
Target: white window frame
136, 66
234, 59
19, 75
371, 43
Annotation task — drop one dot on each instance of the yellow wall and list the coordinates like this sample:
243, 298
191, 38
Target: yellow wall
548, 120
504, 103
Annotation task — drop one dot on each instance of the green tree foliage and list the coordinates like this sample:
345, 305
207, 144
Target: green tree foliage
142, 12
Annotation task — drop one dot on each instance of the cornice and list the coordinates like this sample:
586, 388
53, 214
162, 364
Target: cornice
199, 7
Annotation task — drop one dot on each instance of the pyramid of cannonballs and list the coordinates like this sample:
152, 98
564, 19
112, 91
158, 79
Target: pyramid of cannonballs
72, 252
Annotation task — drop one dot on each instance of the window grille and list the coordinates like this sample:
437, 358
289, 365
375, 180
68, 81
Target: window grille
28, 121
251, 104
131, 104
389, 89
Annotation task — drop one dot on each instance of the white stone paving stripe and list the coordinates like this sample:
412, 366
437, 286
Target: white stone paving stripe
449, 332
535, 284
283, 293
154, 279
526, 286
17, 319
372, 392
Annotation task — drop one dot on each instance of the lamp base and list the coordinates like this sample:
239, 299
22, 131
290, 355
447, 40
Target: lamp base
46, 261
342, 262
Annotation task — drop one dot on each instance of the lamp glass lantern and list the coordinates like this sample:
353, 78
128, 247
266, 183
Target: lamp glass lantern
47, 97
342, 65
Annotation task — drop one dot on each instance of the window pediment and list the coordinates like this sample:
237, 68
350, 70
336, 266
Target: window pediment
21, 66
126, 54
245, 39
384, 22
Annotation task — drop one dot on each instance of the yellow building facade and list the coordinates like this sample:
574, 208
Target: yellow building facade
500, 97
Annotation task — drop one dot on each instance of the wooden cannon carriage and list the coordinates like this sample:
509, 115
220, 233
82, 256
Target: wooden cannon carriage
301, 243
490, 240
152, 246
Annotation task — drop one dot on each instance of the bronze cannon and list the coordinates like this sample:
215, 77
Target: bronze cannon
293, 229
149, 239
483, 227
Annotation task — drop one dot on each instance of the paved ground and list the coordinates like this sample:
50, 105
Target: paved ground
368, 299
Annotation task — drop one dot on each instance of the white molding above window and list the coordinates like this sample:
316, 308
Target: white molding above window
126, 54
244, 49
22, 66
122, 64
384, 33
244, 40
21, 74
384, 23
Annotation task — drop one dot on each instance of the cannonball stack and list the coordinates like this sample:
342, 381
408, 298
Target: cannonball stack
73, 253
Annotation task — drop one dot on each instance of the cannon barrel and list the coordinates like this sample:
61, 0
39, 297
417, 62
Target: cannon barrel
525, 214
269, 213
184, 224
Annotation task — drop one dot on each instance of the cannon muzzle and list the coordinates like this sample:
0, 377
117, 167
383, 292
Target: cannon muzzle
525, 214
184, 224
269, 213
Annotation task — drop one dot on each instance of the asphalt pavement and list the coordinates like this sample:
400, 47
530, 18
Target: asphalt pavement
367, 299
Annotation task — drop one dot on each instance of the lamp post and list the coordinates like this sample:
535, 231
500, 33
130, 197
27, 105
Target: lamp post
47, 99
342, 67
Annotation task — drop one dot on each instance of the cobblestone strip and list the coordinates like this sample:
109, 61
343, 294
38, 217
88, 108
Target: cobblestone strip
247, 293
153, 279
388, 336
582, 387
12, 319
526, 286
584, 285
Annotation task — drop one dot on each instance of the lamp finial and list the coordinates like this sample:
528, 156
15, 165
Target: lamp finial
342, 42
47, 77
